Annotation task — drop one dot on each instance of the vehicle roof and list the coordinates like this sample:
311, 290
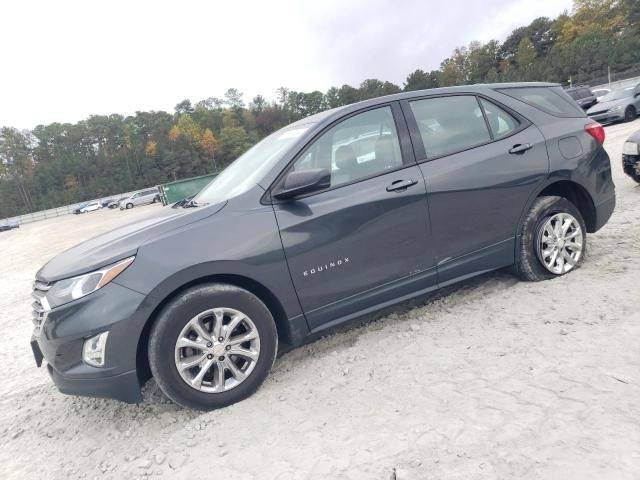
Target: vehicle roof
476, 88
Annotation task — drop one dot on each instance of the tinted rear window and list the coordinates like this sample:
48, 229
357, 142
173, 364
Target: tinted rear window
552, 100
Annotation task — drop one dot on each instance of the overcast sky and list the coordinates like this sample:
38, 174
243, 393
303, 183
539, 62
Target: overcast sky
63, 60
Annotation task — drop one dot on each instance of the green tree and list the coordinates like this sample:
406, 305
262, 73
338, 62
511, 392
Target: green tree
234, 141
526, 53
184, 107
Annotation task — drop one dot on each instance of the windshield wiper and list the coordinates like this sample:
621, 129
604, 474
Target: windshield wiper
194, 204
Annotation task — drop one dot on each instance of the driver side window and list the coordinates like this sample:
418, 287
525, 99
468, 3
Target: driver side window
361, 146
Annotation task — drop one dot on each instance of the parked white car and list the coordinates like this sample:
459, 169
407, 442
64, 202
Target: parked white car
88, 207
143, 197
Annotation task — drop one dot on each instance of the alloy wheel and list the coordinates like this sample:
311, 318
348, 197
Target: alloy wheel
217, 350
560, 243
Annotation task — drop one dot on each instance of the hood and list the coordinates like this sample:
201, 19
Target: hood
602, 106
635, 137
117, 244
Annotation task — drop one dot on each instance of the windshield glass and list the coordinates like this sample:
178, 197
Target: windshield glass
250, 167
617, 95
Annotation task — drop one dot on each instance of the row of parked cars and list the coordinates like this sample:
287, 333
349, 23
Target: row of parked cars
143, 197
608, 106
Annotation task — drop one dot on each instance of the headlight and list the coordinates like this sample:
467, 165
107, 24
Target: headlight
616, 109
631, 148
64, 291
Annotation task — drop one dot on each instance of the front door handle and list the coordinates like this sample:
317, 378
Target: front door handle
520, 148
400, 185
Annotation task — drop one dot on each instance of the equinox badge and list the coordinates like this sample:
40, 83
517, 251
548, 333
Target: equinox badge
326, 266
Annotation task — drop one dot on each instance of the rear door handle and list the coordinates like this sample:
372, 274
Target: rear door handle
400, 185
520, 148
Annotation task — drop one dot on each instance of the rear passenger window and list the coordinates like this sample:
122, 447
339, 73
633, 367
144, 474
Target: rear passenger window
500, 122
450, 124
553, 100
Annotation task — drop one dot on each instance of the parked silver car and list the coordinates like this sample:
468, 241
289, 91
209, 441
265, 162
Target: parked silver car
143, 197
619, 105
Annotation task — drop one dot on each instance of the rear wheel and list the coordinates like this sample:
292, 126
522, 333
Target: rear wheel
553, 240
212, 346
630, 114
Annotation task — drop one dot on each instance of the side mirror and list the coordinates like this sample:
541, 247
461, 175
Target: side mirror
304, 181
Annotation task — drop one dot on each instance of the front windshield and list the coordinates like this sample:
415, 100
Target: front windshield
617, 95
250, 167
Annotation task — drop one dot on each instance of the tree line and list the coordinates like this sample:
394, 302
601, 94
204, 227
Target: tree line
59, 164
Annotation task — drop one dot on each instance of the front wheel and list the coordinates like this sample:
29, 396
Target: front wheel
553, 240
212, 346
129, 205
630, 114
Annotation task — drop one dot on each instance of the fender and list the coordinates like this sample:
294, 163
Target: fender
285, 309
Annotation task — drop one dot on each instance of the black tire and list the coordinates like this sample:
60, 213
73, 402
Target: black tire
129, 205
176, 315
528, 266
630, 114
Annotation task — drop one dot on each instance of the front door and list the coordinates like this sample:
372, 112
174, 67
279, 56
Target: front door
365, 240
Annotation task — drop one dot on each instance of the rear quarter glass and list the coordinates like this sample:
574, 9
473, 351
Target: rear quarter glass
552, 100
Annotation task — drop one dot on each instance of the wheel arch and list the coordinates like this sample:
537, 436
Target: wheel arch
572, 191
576, 194
283, 326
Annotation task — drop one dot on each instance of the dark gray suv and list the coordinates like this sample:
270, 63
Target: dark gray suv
335, 216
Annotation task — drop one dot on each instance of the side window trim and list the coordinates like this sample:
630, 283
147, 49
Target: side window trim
404, 139
486, 120
416, 138
516, 117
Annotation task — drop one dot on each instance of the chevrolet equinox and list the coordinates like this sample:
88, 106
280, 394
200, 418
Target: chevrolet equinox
328, 219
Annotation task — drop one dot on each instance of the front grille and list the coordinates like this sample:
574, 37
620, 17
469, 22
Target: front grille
40, 306
599, 112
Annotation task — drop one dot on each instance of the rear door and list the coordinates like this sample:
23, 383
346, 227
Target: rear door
481, 162
364, 241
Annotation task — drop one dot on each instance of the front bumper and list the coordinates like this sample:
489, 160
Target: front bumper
631, 166
124, 387
115, 309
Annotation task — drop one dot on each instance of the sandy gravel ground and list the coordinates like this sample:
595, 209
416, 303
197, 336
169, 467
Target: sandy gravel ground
496, 379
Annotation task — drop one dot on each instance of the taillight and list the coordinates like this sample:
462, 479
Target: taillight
596, 131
